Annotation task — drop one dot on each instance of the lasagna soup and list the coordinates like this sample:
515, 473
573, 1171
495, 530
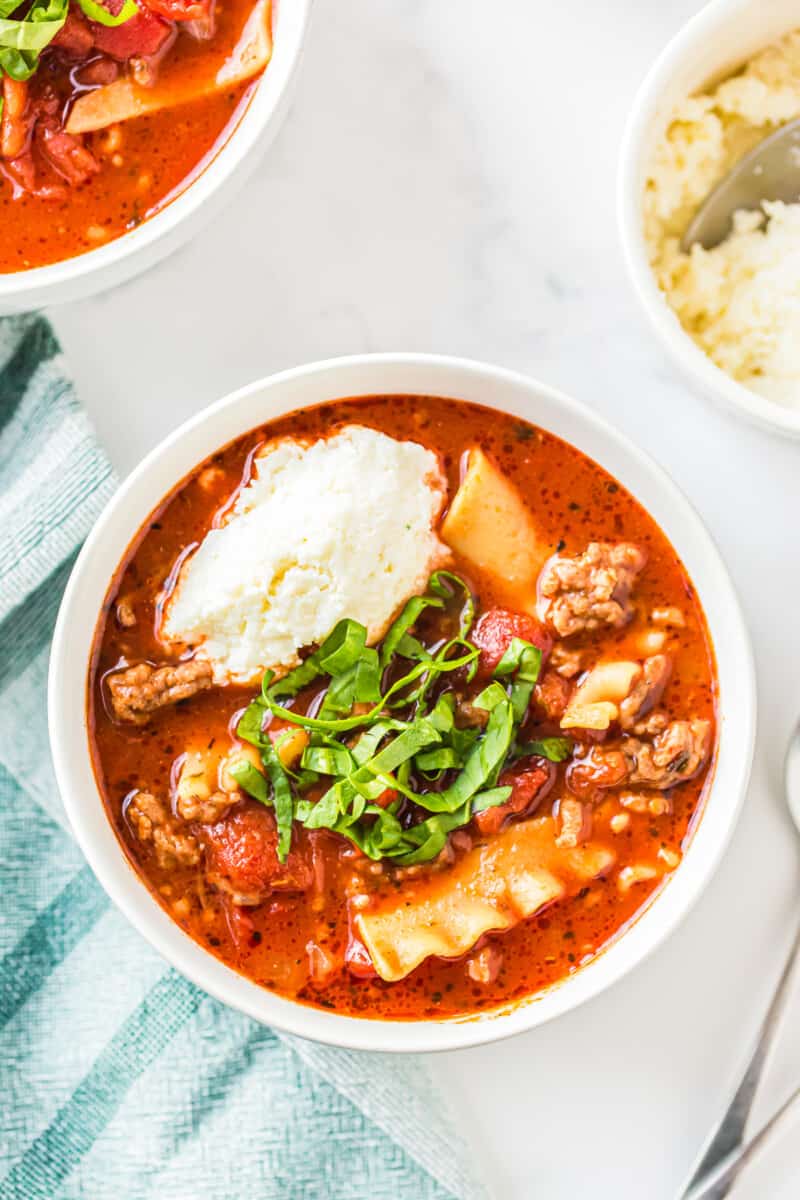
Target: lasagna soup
108, 110
402, 707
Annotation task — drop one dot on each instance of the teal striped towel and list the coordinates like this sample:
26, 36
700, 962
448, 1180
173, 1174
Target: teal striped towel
119, 1079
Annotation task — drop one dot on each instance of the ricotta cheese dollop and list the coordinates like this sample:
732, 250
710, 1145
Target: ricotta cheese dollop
340, 527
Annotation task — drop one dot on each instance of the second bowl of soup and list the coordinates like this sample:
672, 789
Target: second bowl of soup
124, 125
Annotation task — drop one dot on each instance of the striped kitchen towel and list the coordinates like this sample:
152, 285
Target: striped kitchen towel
120, 1079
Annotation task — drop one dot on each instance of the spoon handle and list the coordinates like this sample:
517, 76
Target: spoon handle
722, 1177
728, 1134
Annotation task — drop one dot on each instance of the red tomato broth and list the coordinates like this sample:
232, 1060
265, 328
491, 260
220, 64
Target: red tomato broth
145, 162
574, 501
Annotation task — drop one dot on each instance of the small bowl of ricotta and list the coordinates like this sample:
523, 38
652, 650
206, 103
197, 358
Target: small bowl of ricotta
729, 315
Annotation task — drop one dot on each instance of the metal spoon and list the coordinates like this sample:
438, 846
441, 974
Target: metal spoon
726, 1154
771, 171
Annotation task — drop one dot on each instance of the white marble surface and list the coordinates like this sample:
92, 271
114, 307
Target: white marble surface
445, 182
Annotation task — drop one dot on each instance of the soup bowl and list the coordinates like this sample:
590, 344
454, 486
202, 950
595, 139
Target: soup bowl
233, 161
411, 375
712, 45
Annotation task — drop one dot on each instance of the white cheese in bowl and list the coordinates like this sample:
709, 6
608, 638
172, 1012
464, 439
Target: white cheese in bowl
340, 527
740, 301
709, 132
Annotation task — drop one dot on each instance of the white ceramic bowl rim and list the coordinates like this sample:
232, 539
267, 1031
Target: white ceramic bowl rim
409, 374
699, 39
38, 285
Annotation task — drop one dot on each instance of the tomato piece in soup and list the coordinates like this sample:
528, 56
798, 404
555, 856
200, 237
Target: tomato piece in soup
144, 34
181, 10
497, 628
242, 857
74, 39
530, 781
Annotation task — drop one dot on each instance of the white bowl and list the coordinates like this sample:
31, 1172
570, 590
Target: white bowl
409, 374
721, 38
144, 246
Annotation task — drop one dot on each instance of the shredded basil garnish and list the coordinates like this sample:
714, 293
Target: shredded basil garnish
22, 39
556, 749
374, 762
446, 584
398, 640
252, 781
524, 661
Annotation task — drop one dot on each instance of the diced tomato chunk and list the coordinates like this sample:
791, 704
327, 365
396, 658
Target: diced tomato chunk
180, 10
530, 780
552, 694
242, 858
495, 631
241, 925
74, 37
323, 965
358, 961
484, 963
145, 34
66, 154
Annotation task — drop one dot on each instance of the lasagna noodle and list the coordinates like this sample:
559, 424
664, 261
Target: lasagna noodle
123, 99
492, 887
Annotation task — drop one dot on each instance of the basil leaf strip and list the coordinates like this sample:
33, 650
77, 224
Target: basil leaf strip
486, 757
438, 760
251, 781
369, 741
295, 681
36, 30
327, 760
360, 684
419, 735
18, 64
556, 749
29, 35
431, 834
22, 39
441, 662
427, 839
339, 651
491, 798
250, 724
448, 590
325, 813
342, 648
526, 660
346, 723
396, 635
280, 798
